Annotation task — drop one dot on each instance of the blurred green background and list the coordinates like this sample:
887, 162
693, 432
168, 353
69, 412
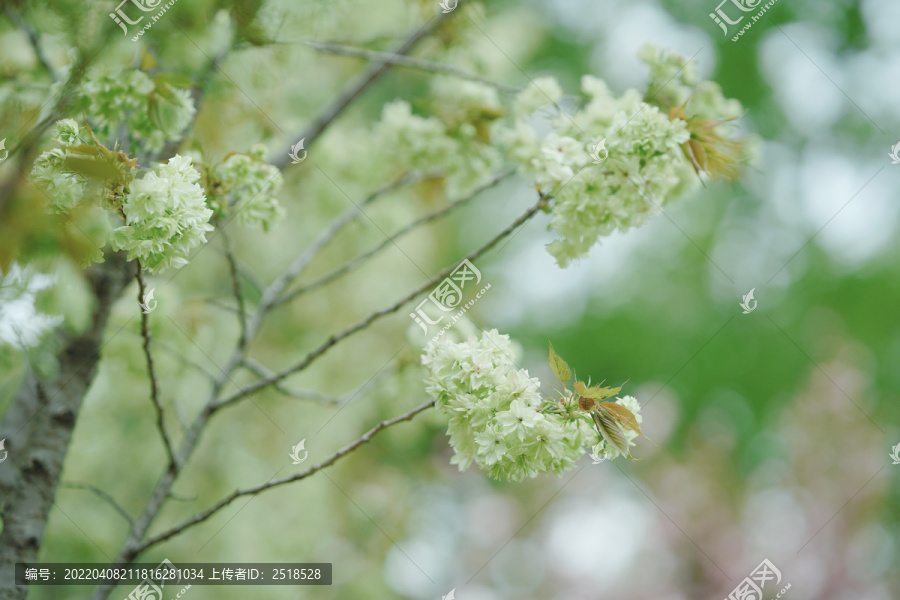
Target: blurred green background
770, 431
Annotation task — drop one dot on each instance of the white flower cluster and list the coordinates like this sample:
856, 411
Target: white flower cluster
498, 417
21, 325
65, 188
618, 159
66, 132
674, 82
456, 141
166, 216
248, 185
642, 166
152, 114
607, 166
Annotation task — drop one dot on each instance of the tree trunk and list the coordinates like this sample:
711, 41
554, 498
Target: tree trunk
38, 427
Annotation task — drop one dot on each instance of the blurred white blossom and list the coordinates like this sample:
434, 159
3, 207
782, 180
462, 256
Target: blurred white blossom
21, 325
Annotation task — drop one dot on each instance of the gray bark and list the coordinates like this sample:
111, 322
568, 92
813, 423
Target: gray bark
38, 427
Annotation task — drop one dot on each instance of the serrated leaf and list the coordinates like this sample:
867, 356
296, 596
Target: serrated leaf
86, 149
95, 168
597, 393
164, 91
147, 60
623, 416
611, 431
173, 79
559, 366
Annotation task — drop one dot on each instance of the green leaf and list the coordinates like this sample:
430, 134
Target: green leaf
622, 416
86, 149
559, 366
611, 431
244, 13
95, 168
597, 393
163, 91
147, 60
173, 79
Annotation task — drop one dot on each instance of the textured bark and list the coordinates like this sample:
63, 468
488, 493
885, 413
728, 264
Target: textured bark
38, 428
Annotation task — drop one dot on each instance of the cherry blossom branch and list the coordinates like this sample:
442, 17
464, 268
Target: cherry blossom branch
410, 62
369, 76
364, 323
261, 370
151, 369
203, 516
198, 93
182, 359
102, 495
24, 25
235, 287
271, 293
352, 264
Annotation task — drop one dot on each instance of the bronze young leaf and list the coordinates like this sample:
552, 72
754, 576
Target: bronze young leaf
622, 415
611, 431
598, 393
587, 404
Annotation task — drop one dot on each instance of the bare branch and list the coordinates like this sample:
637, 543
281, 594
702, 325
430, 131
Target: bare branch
352, 264
235, 287
103, 495
351, 92
198, 93
274, 290
245, 273
199, 518
334, 339
262, 371
24, 25
151, 369
220, 305
410, 62
177, 354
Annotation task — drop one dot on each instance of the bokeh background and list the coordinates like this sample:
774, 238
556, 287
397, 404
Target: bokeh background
771, 431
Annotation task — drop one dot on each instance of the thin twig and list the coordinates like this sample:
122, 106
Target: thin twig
245, 273
33, 38
215, 301
235, 287
352, 264
334, 339
351, 92
199, 518
198, 94
271, 294
410, 62
177, 354
261, 370
151, 369
103, 495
